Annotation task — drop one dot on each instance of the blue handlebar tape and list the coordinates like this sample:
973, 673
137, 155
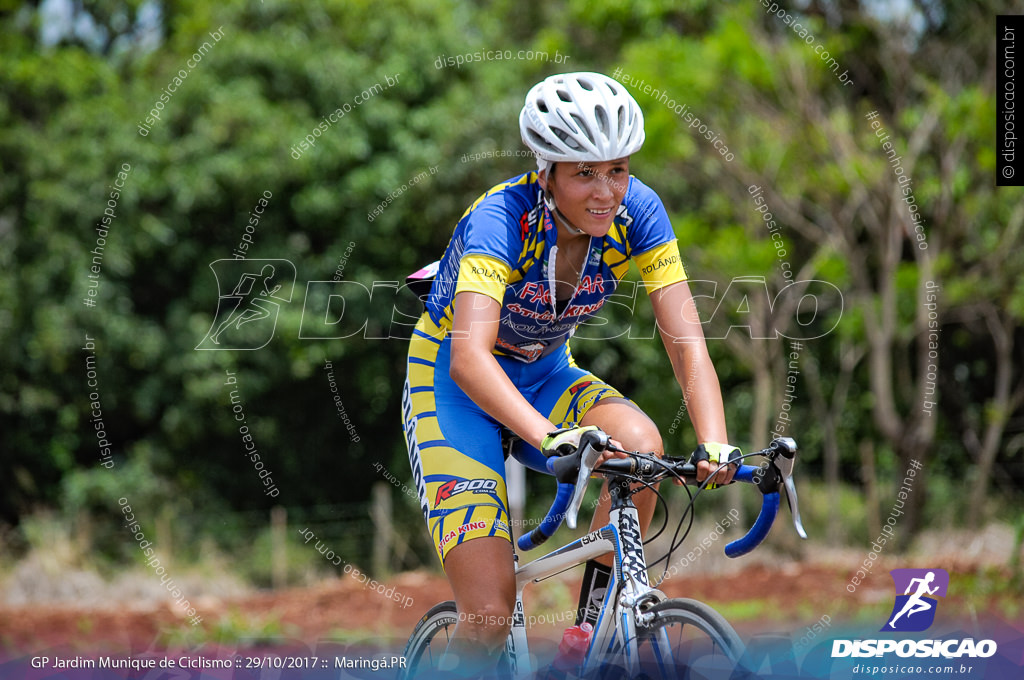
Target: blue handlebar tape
552, 520
745, 473
758, 532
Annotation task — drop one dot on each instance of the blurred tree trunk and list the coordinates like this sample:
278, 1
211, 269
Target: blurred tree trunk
1005, 400
871, 227
870, 481
829, 412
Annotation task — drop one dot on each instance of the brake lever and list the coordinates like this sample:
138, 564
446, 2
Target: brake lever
588, 461
784, 462
791, 499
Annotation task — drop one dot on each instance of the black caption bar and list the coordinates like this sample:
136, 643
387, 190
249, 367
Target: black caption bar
1010, 154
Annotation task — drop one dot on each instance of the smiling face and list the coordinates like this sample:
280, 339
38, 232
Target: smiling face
589, 194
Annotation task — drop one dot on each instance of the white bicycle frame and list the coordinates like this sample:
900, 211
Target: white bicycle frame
621, 536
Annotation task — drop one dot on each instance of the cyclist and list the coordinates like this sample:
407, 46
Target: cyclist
531, 259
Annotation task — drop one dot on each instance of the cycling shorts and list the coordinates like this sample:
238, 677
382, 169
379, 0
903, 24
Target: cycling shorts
454, 447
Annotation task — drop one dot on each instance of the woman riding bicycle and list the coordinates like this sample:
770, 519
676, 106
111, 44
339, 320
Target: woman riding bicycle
531, 259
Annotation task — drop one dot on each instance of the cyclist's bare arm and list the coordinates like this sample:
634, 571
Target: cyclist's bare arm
683, 337
476, 371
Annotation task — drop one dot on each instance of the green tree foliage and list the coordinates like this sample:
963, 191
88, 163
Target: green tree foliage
425, 143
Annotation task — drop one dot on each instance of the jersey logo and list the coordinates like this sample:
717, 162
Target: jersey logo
529, 351
663, 262
455, 533
592, 284
453, 487
580, 386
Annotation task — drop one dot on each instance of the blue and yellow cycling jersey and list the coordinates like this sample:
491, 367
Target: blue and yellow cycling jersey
504, 246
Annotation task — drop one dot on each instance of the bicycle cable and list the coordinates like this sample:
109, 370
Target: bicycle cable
677, 540
650, 485
688, 512
701, 487
669, 469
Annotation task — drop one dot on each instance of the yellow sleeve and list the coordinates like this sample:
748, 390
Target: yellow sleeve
660, 266
483, 274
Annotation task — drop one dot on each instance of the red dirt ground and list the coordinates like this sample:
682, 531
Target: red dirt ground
795, 594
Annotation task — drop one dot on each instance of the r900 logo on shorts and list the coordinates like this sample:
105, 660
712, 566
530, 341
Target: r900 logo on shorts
456, 486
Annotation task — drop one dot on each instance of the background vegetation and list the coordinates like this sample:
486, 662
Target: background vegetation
78, 79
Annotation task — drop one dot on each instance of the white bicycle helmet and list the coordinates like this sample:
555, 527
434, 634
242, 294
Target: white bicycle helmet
581, 117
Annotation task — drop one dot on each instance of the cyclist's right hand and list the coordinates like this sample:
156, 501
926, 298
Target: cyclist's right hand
564, 441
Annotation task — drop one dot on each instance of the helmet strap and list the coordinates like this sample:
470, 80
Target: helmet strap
549, 202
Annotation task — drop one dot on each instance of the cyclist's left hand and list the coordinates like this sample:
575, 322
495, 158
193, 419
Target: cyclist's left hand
710, 456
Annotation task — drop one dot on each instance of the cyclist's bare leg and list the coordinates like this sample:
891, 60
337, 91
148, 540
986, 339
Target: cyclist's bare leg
627, 424
482, 575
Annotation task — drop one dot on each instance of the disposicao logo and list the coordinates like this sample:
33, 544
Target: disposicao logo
914, 611
258, 289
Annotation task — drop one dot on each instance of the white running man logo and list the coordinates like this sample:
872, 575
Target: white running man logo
916, 604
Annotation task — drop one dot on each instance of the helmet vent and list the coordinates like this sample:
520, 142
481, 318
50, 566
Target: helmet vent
603, 124
570, 121
582, 125
540, 141
564, 96
566, 138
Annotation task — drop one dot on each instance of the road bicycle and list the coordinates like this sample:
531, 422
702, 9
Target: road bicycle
640, 632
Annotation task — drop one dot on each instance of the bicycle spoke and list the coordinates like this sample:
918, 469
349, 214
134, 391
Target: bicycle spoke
686, 639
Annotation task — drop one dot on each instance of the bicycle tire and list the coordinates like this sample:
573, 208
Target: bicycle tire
706, 645
420, 657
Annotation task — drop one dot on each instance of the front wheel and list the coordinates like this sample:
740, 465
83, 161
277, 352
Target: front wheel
682, 639
428, 641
